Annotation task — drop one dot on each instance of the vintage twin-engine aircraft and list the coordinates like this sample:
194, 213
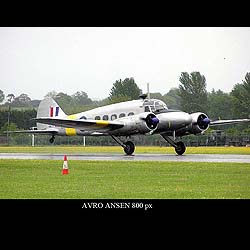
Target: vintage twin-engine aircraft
142, 116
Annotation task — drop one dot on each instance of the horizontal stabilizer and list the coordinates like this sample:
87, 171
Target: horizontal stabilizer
50, 131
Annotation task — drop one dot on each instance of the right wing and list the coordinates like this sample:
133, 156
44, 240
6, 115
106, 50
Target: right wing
224, 122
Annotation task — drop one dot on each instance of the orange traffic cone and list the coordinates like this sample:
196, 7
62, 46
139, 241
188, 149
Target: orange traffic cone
65, 165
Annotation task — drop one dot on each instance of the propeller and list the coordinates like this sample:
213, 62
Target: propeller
203, 122
206, 121
152, 121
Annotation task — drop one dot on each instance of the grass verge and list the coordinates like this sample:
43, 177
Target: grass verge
43, 179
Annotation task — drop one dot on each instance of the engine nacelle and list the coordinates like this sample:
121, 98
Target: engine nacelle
141, 123
200, 123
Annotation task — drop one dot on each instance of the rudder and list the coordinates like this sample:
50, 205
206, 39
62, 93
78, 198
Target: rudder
48, 107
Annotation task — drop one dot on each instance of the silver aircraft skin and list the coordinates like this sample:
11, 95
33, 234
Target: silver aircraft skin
142, 116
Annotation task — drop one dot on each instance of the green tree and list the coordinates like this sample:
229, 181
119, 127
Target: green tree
35, 103
52, 94
156, 95
12, 127
81, 98
10, 98
124, 90
2, 96
193, 94
173, 99
22, 100
65, 101
220, 105
241, 98
22, 118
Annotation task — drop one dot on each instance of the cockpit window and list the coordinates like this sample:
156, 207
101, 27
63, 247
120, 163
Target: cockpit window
154, 105
159, 105
147, 109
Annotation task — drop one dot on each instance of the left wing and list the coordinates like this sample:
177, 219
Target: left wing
223, 122
89, 125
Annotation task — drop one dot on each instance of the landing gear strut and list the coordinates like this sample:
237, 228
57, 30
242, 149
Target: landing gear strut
179, 146
52, 139
128, 146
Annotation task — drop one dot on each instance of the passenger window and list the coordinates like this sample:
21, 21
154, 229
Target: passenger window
122, 115
105, 117
113, 117
98, 118
147, 109
131, 113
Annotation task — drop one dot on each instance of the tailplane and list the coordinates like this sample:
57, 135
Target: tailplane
48, 108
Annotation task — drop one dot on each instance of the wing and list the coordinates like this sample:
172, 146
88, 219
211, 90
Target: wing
224, 122
89, 125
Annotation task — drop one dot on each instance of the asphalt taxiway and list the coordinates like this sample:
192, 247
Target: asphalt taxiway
136, 157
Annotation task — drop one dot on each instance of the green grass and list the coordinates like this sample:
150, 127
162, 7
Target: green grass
109, 179
119, 150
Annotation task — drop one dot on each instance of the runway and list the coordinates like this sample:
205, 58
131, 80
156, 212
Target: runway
136, 157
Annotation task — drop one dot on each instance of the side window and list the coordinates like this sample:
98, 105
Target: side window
105, 117
113, 117
147, 109
97, 117
122, 115
131, 113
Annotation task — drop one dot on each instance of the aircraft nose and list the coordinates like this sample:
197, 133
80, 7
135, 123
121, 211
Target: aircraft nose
206, 121
155, 120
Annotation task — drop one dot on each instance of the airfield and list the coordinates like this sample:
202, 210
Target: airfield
105, 172
136, 157
115, 153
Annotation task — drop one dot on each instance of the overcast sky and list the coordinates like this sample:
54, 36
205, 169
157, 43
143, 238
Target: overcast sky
36, 60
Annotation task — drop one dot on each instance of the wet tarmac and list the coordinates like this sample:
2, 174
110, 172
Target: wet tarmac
136, 157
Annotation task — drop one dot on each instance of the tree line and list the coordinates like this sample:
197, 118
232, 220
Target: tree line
190, 96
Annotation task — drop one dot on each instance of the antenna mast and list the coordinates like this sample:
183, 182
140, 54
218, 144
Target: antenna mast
148, 91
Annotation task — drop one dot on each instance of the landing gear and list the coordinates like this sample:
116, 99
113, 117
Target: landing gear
179, 146
52, 139
128, 146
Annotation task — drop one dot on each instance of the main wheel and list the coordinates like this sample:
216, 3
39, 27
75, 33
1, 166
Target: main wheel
129, 148
180, 148
52, 139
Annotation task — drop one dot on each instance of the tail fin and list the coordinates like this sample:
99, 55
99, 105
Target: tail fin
48, 108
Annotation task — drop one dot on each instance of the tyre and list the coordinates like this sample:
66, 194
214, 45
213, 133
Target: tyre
180, 148
129, 148
51, 140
